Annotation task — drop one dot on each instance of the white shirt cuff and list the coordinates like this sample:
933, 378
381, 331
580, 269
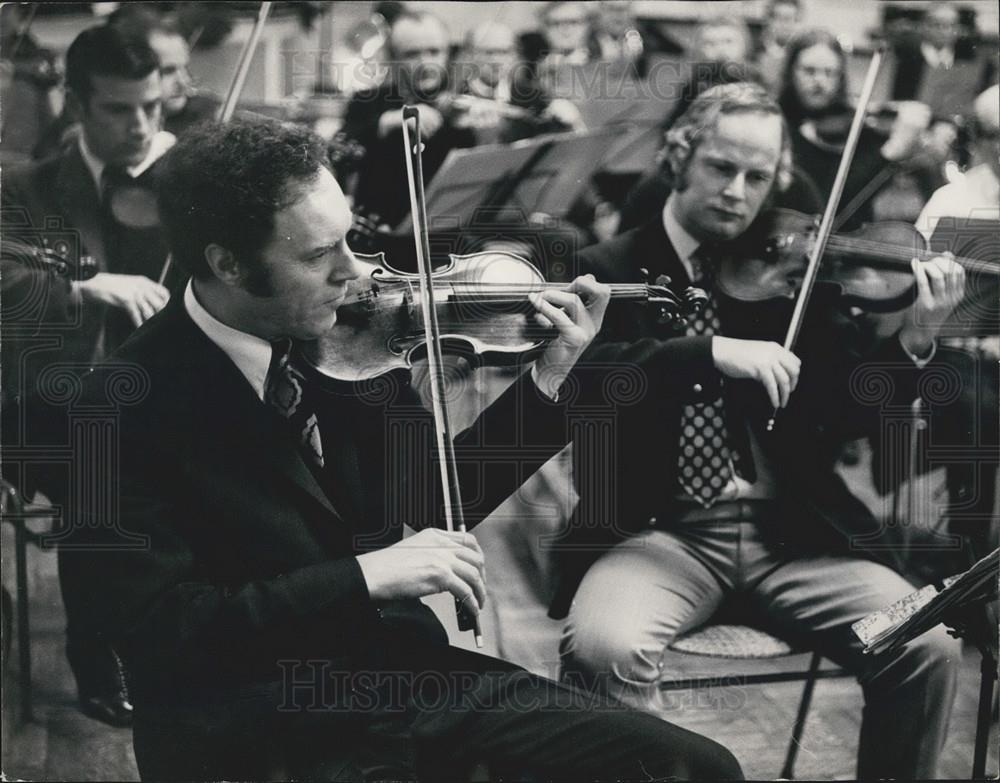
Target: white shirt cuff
552, 395
920, 361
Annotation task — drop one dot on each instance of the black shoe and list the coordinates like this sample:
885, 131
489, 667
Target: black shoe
100, 682
114, 709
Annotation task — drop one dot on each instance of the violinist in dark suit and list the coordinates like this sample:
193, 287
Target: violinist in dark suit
514, 105
418, 49
270, 617
114, 89
709, 509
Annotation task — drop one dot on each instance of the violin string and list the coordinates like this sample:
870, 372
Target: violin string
901, 254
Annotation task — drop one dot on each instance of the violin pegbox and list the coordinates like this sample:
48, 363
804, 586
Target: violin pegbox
659, 296
695, 300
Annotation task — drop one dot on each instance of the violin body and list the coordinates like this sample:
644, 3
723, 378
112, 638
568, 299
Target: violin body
482, 309
775, 253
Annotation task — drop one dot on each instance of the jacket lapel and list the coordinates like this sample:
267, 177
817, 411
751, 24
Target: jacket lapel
81, 203
237, 415
657, 254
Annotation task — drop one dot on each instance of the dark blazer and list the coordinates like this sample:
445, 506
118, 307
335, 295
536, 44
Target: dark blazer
228, 557
381, 188
626, 474
56, 195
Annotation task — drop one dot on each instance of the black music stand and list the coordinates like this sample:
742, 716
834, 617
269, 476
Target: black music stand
543, 174
961, 606
520, 193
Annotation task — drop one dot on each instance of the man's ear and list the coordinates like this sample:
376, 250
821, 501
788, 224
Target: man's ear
223, 264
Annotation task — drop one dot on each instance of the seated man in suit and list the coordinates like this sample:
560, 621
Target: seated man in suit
709, 507
418, 50
114, 90
271, 602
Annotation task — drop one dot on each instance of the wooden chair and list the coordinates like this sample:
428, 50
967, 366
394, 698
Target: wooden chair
741, 642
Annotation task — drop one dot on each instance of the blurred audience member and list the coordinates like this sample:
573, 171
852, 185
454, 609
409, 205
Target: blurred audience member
782, 20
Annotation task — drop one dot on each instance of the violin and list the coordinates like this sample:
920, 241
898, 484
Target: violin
482, 306
868, 268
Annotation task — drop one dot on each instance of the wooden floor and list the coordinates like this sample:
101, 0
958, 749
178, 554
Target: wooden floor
755, 722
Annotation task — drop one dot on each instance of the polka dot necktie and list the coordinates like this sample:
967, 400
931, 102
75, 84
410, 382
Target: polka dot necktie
705, 460
286, 391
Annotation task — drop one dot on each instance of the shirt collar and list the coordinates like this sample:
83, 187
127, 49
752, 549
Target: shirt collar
250, 354
683, 242
162, 142
937, 58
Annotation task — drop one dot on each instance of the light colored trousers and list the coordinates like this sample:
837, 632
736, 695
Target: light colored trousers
638, 596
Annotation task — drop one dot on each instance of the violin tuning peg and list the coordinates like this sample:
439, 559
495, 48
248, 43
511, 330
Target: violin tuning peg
666, 315
696, 299
645, 273
663, 280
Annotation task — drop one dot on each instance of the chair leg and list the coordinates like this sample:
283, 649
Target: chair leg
788, 769
23, 629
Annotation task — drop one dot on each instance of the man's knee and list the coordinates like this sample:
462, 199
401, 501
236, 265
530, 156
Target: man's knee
931, 659
594, 651
936, 654
689, 756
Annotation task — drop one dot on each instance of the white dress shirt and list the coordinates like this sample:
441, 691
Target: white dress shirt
162, 142
250, 354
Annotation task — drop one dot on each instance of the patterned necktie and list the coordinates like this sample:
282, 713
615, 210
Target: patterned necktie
705, 460
286, 390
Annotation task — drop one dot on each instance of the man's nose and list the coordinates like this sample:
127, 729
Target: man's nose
736, 188
141, 123
349, 268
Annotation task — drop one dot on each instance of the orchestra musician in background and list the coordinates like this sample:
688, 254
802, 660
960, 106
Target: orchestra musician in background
183, 104
114, 90
968, 210
710, 509
418, 51
721, 39
814, 100
514, 104
782, 20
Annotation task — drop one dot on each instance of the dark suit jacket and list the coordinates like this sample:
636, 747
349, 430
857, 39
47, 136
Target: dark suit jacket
244, 561
51, 197
382, 187
630, 474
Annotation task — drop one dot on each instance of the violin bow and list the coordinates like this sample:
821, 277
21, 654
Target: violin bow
454, 517
228, 106
830, 213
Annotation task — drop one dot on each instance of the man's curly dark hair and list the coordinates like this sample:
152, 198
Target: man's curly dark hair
222, 184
